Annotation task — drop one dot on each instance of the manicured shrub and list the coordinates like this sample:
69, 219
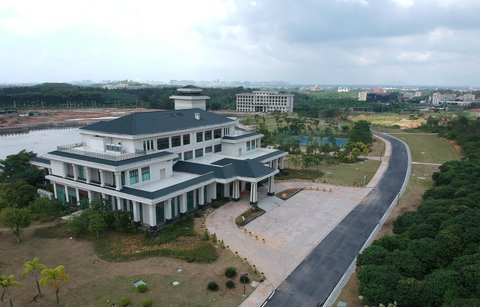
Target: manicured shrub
142, 288
230, 272
230, 284
197, 214
214, 238
213, 286
124, 302
147, 302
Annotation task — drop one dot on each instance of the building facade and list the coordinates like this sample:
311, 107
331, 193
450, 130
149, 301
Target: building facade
264, 102
162, 165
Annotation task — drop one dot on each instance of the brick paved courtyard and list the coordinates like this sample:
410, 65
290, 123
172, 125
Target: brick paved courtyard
291, 228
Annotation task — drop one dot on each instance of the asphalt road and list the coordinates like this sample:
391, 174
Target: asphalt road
314, 279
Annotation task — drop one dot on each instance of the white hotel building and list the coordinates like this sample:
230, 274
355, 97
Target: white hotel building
164, 164
265, 102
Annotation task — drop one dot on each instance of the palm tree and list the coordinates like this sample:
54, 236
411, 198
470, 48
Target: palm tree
54, 276
34, 266
7, 282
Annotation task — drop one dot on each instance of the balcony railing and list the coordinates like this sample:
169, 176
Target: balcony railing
119, 157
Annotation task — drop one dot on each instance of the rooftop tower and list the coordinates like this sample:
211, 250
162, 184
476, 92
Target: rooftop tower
190, 97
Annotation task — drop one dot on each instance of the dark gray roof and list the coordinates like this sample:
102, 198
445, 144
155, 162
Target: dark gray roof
246, 168
226, 168
170, 189
199, 169
40, 160
158, 122
269, 155
239, 137
108, 161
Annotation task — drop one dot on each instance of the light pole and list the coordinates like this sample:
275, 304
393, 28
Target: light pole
244, 280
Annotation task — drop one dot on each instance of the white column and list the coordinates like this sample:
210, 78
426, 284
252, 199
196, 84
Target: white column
67, 197
175, 205
242, 185
77, 194
226, 190
75, 175
55, 190
195, 201
236, 190
152, 215
271, 186
183, 203
102, 178
119, 203
275, 164
281, 162
212, 191
118, 181
136, 212
113, 203
167, 207
253, 193
201, 196
87, 174
90, 196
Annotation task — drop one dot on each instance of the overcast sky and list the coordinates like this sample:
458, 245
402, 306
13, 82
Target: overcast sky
404, 42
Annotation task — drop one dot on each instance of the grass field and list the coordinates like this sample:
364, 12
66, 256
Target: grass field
96, 282
350, 174
345, 174
428, 147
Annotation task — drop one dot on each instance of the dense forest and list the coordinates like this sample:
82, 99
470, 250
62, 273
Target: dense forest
433, 257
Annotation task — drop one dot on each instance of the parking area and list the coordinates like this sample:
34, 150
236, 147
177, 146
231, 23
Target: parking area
280, 239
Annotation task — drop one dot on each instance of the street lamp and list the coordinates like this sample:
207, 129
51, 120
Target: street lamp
244, 280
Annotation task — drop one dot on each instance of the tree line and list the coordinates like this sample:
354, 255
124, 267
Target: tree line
63, 95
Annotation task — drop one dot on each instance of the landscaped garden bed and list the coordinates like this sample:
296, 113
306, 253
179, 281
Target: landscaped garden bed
248, 216
286, 194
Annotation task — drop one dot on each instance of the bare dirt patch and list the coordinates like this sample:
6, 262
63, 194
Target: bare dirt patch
63, 115
455, 146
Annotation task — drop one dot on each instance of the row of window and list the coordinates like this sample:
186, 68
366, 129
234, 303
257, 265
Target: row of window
179, 140
133, 175
251, 145
188, 155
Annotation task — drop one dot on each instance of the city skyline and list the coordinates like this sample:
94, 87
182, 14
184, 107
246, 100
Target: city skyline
357, 42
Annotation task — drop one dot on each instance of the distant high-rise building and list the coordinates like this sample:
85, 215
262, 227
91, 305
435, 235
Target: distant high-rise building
362, 96
264, 102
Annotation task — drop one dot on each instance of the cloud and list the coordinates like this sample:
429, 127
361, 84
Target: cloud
342, 41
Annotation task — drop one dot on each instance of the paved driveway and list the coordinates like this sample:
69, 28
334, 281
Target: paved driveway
313, 280
291, 228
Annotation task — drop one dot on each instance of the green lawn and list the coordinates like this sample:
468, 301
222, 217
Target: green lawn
350, 174
190, 292
428, 147
345, 174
